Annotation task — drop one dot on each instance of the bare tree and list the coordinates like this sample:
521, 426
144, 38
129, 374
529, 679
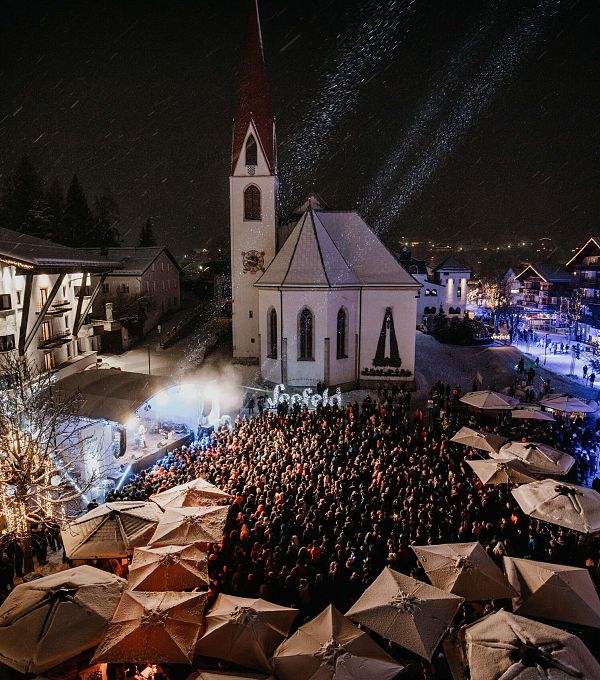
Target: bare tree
47, 458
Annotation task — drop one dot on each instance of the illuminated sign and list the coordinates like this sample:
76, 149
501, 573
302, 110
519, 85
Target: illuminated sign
307, 398
500, 336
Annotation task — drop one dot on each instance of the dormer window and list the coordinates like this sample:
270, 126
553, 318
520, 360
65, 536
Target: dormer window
251, 151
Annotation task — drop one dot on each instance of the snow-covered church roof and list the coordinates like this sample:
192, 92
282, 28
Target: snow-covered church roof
334, 249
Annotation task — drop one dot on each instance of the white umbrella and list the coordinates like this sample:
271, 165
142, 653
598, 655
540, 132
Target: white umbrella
196, 493
182, 526
407, 611
220, 675
464, 569
503, 646
553, 591
110, 530
539, 458
489, 401
52, 619
568, 505
568, 404
531, 414
501, 471
169, 567
245, 630
485, 441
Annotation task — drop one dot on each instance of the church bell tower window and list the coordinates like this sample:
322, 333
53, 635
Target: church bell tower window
252, 209
251, 151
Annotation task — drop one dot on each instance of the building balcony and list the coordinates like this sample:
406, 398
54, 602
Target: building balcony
57, 308
56, 340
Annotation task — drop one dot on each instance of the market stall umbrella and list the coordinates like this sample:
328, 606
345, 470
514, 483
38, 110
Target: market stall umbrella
489, 401
153, 628
539, 458
110, 530
485, 441
196, 493
182, 526
52, 619
501, 471
553, 591
464, 569
219, 675
329, 647
169, 567
411, 613
532, 414
568, 505
503, 646
245, 630
567, 404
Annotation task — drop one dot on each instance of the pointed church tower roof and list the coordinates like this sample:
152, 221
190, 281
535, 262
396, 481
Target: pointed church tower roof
254, 103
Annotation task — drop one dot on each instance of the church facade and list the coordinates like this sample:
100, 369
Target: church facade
329, 304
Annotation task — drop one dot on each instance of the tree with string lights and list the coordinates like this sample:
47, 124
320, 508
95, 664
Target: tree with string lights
47, 458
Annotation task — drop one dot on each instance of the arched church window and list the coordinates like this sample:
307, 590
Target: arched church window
272, 334
305, 335
342, 320
252, 203
251, 151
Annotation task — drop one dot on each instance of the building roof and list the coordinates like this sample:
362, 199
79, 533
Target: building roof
111, 394
406, 259
551, 273
254, 102
593, 241
333, 249
132, 261
451, 263
41, 256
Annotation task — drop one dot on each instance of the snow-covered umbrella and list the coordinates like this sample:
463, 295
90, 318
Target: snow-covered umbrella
501, 471
503, 646
182, 526
224, 675
553, 591
409, 612
169, 567
329, 647
245, 630
568, 404
196, 493
539, 458
484, 441
532, 414
110, 530
153, 628
568, 505
464, 569
47, 621
487, 400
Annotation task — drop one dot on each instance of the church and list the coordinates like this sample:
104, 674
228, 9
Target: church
325, 301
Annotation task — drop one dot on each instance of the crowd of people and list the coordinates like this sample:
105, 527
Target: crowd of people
323, 500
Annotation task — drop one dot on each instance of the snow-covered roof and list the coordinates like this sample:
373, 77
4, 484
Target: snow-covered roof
451, 263
551, 273
333, 249
43, 256
133, 261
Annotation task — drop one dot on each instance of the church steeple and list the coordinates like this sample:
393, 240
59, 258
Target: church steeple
254, 103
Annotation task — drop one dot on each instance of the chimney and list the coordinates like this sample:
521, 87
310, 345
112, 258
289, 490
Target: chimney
109, 311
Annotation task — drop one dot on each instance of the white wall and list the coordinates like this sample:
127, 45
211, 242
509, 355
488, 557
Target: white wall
249, 235
270, 368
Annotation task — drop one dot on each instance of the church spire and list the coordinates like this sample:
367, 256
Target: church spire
254, 103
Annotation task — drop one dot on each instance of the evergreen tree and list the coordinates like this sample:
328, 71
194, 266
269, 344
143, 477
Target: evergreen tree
147, 235
77, 221
55, 199
21, 203
106, 220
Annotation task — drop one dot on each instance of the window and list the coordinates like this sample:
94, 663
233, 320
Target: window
413, 269
251, 151
43, 295
305, 335
124, 288
66, 322
48, 360
458, 293
7, 342
164, 287
252, 203
105, 288
250, 314
341, 334
18, 297
86, 291
5, 302
46, 330
272, 334
433, 291
162, 266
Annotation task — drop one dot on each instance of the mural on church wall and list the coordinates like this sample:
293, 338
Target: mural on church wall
387, 361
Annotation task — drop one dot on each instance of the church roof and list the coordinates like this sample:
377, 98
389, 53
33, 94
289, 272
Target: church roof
254, 102
333, 249
453, 264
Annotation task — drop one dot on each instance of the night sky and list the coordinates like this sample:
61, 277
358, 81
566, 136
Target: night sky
435, 119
